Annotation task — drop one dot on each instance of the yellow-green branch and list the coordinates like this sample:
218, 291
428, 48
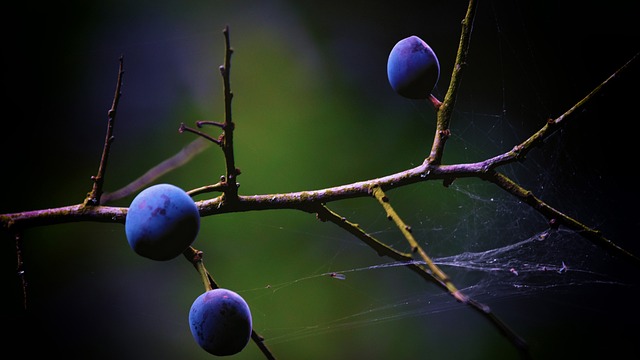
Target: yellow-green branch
377, 192
445, 110
325, 214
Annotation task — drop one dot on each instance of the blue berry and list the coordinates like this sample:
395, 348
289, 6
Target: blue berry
220, 322
413, 68
162, 222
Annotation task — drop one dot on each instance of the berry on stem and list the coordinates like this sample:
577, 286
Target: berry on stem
220, 322
413, 68
162, 222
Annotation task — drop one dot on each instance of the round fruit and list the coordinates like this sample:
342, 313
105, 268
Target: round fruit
220, 322
162, 221
413, 68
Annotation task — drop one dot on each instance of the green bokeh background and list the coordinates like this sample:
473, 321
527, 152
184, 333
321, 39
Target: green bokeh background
313, 109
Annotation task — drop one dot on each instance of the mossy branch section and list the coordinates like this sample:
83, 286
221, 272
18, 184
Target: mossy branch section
379, 194
445, 110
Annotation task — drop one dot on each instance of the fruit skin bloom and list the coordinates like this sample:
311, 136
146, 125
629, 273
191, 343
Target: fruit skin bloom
220, 322
413, 68
162, 221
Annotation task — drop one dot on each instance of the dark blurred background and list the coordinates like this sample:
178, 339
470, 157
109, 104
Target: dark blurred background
313, 109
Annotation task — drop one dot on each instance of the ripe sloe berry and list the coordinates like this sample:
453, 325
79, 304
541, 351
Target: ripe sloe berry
413, 68
162, 221
220, 322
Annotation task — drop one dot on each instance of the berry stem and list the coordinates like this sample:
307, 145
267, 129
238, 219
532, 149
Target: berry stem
195, 258
435, 102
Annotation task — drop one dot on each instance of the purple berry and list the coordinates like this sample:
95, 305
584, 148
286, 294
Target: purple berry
162, 222
220, 322
413, 68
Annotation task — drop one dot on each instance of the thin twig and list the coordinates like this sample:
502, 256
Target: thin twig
232, 172
184, 128
212, 123
217, 187
93, 197
596, 90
